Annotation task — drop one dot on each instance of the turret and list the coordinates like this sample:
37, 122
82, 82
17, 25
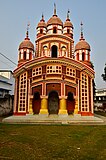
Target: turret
26, 50
41, 27
54, 24
68, 27
82, 50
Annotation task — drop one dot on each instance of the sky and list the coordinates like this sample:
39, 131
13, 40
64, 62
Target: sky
16, 14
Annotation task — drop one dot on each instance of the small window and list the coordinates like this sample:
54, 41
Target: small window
83, 57
41, 31
54, 30
24, 55
68, 31
30, 55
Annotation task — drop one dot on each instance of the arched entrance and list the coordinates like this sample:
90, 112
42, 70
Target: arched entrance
53, 102
70, 103
54, 51
36, 103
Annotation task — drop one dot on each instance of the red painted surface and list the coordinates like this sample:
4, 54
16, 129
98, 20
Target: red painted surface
36, 106
19, 113
70, 106
86, 113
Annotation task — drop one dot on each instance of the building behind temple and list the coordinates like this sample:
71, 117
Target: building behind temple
54, 76
100, 100
6, 83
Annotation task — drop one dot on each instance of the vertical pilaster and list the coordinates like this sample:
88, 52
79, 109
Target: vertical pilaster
30, 105
76, 106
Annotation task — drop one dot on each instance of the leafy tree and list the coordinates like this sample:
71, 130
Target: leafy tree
104, 75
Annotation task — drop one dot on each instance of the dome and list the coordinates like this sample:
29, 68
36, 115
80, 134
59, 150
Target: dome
68, 23
42, 23
55, 20
26, 44
82, 44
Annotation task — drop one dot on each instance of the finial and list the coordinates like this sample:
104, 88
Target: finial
27, 33
81, 31
42, 16
68, 13
54, 9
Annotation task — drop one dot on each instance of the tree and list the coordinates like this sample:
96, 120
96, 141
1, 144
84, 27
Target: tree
104, 75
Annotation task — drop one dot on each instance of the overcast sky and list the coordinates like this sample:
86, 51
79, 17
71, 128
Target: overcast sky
15, 14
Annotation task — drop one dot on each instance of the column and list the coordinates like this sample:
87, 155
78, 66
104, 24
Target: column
44, 109
30, 105
62, 109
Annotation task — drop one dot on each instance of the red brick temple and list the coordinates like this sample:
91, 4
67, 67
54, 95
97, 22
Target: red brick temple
54, 76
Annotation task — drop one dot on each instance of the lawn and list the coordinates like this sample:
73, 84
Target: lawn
52, 142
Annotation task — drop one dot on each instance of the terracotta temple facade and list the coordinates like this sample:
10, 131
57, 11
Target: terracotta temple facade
54, 76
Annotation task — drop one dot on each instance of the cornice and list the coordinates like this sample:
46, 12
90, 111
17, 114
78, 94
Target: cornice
48, 60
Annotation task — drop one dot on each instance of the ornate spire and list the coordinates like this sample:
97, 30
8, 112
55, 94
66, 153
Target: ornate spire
42, 17
82, 37
27, 32
54, 9
68, 14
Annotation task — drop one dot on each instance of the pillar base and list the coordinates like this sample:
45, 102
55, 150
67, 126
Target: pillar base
62, 111
30, 111
43, 111
75, 111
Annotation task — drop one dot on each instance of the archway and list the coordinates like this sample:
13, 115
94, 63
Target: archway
70, 103
53, 102
36, 103
54, 51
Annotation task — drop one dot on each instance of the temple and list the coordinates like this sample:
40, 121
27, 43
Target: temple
54, 76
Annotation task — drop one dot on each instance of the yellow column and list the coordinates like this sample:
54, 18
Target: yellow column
62, 109
76, 106
30, 106
44, 109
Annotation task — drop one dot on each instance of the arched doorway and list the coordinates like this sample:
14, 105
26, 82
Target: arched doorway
36, 103
54, 51
53, 102
70, 103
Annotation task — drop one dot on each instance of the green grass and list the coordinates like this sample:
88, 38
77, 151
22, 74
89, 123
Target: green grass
52, 142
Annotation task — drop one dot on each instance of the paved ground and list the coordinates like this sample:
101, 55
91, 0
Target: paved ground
55, 119
102, 117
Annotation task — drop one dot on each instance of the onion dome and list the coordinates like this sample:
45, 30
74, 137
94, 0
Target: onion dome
42, 22
54, 19
68, 23
26, 43
82, 44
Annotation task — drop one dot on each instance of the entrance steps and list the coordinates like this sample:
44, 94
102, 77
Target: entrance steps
53, 119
